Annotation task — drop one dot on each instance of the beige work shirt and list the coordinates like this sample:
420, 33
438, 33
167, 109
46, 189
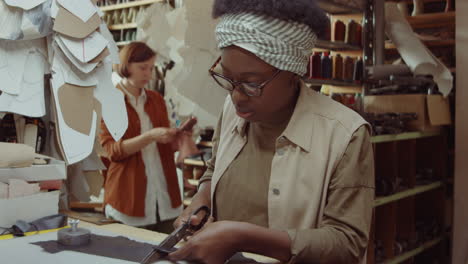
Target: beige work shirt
341, 235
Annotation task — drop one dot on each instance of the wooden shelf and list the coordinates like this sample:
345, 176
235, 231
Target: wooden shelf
193, 182
335, 46
331, 7
206, 144
401, 258
192, 162
331, 82
403, 136
129, 4
410, 2
85, 205
432, 20
123, 43
428, 43
407, 193
122, 26
187, 201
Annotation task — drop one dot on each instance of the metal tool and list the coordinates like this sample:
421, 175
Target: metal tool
73, 236
167, 245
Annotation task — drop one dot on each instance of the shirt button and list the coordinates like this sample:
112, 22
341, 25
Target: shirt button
282, 140
280, 151
276, 191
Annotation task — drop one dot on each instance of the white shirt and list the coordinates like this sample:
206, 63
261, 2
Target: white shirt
156, 187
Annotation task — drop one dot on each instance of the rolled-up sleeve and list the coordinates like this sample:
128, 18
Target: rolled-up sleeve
210, 164
113, 148
344, 231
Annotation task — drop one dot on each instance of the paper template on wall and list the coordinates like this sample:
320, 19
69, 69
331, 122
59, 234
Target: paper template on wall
76, 118
71, 25
92, 163
15, 155
30, 100
85, 49
71, 74
13, 56
84, 9
420, 60
20, 24
114, 112
82, 66
54, 9
79, 187
111, 45
10, 19
24, 4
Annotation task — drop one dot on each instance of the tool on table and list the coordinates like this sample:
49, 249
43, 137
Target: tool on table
73, 236
187, 229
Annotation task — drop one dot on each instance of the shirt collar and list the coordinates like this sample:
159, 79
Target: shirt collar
299, 128
141, 98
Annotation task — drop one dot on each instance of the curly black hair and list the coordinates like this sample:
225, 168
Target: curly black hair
302, 11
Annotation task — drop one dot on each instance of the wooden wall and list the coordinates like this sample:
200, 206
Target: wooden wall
460, 239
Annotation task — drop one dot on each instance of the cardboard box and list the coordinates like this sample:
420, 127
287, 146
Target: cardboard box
28, 208
433, 110
55, 170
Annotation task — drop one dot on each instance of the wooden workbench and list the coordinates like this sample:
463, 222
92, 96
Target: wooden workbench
28, 249
156, 237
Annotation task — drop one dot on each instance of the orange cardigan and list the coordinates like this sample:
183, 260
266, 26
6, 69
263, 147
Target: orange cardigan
125, 185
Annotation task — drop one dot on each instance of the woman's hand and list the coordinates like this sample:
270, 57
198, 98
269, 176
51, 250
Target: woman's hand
201, 198
163, 135
214, 244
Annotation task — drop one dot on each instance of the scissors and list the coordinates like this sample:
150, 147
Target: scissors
167, 245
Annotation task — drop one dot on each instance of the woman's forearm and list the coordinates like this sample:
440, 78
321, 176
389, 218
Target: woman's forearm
133, 145
263, 241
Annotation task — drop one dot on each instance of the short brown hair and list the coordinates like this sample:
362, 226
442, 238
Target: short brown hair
133, 52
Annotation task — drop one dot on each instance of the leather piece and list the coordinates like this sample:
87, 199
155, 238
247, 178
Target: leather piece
106, 246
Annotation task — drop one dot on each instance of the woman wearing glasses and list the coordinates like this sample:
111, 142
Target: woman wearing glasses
292, 172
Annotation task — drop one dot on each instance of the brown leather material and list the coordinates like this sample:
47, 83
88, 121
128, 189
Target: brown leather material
125, 186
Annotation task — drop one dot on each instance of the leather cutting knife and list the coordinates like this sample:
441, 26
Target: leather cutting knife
167, 245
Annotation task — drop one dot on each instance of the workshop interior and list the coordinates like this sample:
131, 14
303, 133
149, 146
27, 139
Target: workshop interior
233, 131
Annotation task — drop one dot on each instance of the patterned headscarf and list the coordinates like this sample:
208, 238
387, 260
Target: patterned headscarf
282, 44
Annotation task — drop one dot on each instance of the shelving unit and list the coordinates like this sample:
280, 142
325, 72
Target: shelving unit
336, 46
122, 26
331, 82
432, 20
124, 33
407, 193
399, 158
129, 4
344, 12
414, 252
404, 136
428, 43
122, 43
332, 7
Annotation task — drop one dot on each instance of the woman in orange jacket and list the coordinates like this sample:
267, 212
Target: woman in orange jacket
141, 187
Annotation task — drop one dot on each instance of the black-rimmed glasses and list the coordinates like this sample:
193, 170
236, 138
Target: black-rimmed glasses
249, 89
